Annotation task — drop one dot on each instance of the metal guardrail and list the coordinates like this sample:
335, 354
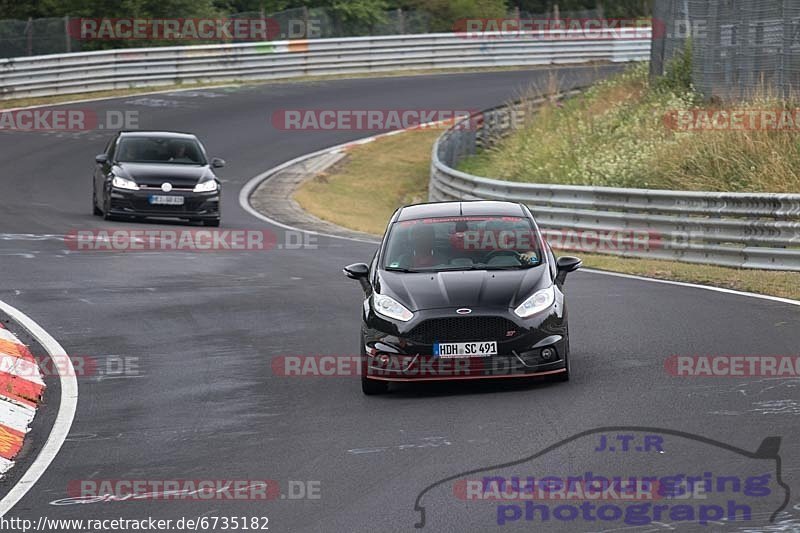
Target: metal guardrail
727, 229
152, 67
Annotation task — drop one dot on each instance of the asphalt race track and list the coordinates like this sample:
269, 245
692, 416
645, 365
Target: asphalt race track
204, 404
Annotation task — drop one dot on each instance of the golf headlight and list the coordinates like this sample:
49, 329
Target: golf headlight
206, 186
389, 307
540, 301
122, 183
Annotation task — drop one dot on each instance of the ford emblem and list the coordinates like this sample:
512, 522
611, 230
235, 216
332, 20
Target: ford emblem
463, 311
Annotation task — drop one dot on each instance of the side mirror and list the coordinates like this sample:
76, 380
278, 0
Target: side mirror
356, 271
217, 162
565, 265
101, 159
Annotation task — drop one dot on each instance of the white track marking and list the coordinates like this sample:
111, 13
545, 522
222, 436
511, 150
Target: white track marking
696, 286
252, 184
66, 409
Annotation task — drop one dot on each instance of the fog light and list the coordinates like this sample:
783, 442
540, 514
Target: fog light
384, 359
548, 353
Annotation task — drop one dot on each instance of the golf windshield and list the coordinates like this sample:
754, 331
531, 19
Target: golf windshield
160, 150
462, 243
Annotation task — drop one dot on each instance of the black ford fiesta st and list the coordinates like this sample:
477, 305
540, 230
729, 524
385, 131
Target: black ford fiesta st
156, 174
463, 290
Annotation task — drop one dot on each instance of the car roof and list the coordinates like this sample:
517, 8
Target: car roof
167, 134
456, 209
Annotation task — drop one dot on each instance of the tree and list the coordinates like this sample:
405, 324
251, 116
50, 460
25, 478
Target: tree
359, 16
445, 13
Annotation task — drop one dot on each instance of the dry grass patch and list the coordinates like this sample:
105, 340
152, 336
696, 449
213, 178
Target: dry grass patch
375, 179
616, 134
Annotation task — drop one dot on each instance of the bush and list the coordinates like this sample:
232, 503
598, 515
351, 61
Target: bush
445, 13
615, 135
678, 72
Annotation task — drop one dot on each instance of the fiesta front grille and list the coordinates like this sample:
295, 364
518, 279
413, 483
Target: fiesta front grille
457, 329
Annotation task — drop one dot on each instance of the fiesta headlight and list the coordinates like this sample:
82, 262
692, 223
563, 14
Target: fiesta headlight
391, 308
540, 301
123, 183
206, 186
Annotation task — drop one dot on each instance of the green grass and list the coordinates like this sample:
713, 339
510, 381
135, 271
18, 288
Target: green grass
615, 135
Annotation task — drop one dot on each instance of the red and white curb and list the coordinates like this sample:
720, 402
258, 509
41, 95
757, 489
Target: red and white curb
67, 402
21, 388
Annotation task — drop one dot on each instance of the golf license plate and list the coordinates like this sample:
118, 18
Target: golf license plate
166, 200
450, 350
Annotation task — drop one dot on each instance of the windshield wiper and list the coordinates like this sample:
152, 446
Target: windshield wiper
483, 267
399, 269
459, 269
511, 267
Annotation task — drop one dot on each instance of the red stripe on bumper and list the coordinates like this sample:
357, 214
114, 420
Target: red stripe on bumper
471, 378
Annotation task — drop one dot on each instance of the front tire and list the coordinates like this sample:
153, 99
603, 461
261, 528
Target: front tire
96, 211
107, 209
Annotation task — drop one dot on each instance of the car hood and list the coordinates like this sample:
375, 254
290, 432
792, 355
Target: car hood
472, 288
155, 174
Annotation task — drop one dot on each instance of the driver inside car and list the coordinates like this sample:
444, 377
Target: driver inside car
180, 154
423, 253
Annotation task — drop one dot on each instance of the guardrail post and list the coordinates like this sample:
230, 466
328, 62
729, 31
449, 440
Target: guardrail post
67, 40
29, 35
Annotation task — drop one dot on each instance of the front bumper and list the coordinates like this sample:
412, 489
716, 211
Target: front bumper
196, 206
537, 346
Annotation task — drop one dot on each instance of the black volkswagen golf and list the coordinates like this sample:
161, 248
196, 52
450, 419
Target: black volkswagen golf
463, 290
156, 174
